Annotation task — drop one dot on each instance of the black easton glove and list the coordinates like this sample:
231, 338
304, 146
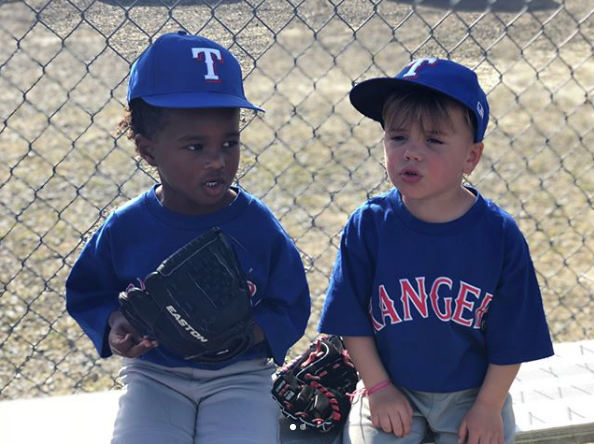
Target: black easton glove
314, 388
197, 304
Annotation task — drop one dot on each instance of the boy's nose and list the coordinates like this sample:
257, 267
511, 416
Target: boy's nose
215, 160
412, 152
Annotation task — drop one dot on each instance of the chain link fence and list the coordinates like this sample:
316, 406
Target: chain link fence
311, 157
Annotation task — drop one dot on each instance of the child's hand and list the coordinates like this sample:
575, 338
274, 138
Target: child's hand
124, 340
482, 425
391, 411
258, 334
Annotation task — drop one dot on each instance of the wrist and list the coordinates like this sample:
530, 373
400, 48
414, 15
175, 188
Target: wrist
258, 334
377, 387
113, 317
488, 403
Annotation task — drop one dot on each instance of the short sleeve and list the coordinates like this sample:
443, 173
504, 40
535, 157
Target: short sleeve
515, 325
346, 308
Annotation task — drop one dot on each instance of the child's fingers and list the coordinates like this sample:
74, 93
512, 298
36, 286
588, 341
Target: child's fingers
140, 349
119, 344
134, 350
375, 421
462, 432
130, 347
401, 420
381, 421
406, 419
394, 423
148, 343
392, 418
387, 424
398, 426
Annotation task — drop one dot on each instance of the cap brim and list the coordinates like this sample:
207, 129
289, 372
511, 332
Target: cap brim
368, 97
199, 100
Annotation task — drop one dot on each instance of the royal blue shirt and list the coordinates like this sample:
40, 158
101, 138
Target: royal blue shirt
137, 237
443, 300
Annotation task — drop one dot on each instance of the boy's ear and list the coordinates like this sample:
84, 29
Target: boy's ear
474, 156
144, 145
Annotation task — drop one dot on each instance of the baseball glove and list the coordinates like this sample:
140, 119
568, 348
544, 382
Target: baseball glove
314, 388
196, 304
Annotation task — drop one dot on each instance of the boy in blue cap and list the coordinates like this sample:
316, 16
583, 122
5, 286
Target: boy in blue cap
433, 288
184, 100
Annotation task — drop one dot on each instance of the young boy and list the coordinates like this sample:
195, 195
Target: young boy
185, 94
433, 289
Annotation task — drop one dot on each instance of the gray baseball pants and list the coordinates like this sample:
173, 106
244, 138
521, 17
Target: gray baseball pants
440, 412
232, 405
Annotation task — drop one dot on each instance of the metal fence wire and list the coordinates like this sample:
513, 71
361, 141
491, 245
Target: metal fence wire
312, 158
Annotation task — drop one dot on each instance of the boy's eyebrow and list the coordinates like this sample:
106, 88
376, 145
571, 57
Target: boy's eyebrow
437, 131
194, 137
397, 128
434, 131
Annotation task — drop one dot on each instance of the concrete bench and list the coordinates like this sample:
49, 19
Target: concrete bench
553, 403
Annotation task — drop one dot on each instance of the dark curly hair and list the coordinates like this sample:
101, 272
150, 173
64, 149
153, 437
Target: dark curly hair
141, 118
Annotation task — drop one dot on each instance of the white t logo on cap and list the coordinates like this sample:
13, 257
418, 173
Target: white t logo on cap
210, 55
417, 64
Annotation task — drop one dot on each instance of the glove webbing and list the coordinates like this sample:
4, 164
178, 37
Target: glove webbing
313, 356
331, 399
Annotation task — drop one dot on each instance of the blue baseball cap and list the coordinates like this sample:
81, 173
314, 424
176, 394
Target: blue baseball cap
186, 71
449, 78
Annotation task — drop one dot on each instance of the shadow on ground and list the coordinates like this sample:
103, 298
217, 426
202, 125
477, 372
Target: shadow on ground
169, 3
483, 5
455, 5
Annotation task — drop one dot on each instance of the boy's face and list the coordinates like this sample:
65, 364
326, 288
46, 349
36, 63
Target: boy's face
427, 164
197, 156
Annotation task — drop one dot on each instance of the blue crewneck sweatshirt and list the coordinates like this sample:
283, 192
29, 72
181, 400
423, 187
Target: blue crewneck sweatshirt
137, 237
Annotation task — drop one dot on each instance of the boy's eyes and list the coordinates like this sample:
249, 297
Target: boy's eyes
198, 147
398, 137
403, 138
230, 144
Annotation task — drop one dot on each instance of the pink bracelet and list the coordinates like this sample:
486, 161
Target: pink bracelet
378, 387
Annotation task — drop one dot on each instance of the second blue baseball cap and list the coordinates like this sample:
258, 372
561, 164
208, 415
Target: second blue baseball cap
186, 71
445, 76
